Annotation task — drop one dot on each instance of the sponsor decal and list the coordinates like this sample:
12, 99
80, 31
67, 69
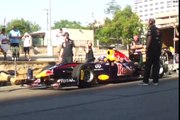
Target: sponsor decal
103, 77
122, 70
66, 81
98, 67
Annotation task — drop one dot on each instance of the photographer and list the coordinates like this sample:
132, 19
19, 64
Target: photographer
27, 43
89, 52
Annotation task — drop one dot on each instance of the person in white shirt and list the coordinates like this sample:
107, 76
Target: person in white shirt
60, 40
27, 43
4, 42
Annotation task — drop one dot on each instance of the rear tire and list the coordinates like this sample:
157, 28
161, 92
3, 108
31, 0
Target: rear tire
161, 71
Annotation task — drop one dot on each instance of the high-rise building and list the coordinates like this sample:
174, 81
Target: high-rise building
166, 14
146, 9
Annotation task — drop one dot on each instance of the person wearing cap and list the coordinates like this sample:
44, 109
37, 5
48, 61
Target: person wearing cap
135, 53
4, 42
153, 52
15, 37
67, 49
27, 43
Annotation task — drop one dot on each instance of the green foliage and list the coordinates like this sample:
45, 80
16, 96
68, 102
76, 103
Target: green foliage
67, 24
112, 8
23, 26
121, 28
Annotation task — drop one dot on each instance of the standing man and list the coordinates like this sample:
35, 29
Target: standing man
27, 43
15, 37
153, 51
68, 49
60, 40
4, 42
135, 52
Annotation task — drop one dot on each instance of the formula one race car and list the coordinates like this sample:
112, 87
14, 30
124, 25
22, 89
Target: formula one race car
114, 67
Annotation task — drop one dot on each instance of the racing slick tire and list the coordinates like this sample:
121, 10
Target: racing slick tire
164, 60
161, 71
84, 75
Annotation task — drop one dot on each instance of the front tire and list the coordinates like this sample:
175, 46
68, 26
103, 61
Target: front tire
84, 75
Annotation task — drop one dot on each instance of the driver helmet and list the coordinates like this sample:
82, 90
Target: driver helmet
102, 58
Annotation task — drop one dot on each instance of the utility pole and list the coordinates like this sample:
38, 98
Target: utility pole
4, 22
47, 14
50, 21
93, 27
49, 43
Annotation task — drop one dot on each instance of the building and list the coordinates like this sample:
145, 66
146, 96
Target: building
168, 22
166, 15
146, 9
80, 36
41, 39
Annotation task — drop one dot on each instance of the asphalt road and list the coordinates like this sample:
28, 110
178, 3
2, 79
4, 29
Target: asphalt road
120, 101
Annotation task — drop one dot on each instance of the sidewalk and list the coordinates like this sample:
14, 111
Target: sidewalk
39, 57
44, 57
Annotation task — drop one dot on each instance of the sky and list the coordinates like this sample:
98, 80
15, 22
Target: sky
35, 11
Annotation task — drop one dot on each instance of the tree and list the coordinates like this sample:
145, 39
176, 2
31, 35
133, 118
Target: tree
23, 26
105, 32
121, 28
112, 7
128, 24
67, 24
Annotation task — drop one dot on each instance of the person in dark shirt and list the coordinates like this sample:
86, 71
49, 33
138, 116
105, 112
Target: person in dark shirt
153, 52
89, 52
67, 50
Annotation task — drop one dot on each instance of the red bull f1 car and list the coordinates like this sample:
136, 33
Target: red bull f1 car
114, 67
